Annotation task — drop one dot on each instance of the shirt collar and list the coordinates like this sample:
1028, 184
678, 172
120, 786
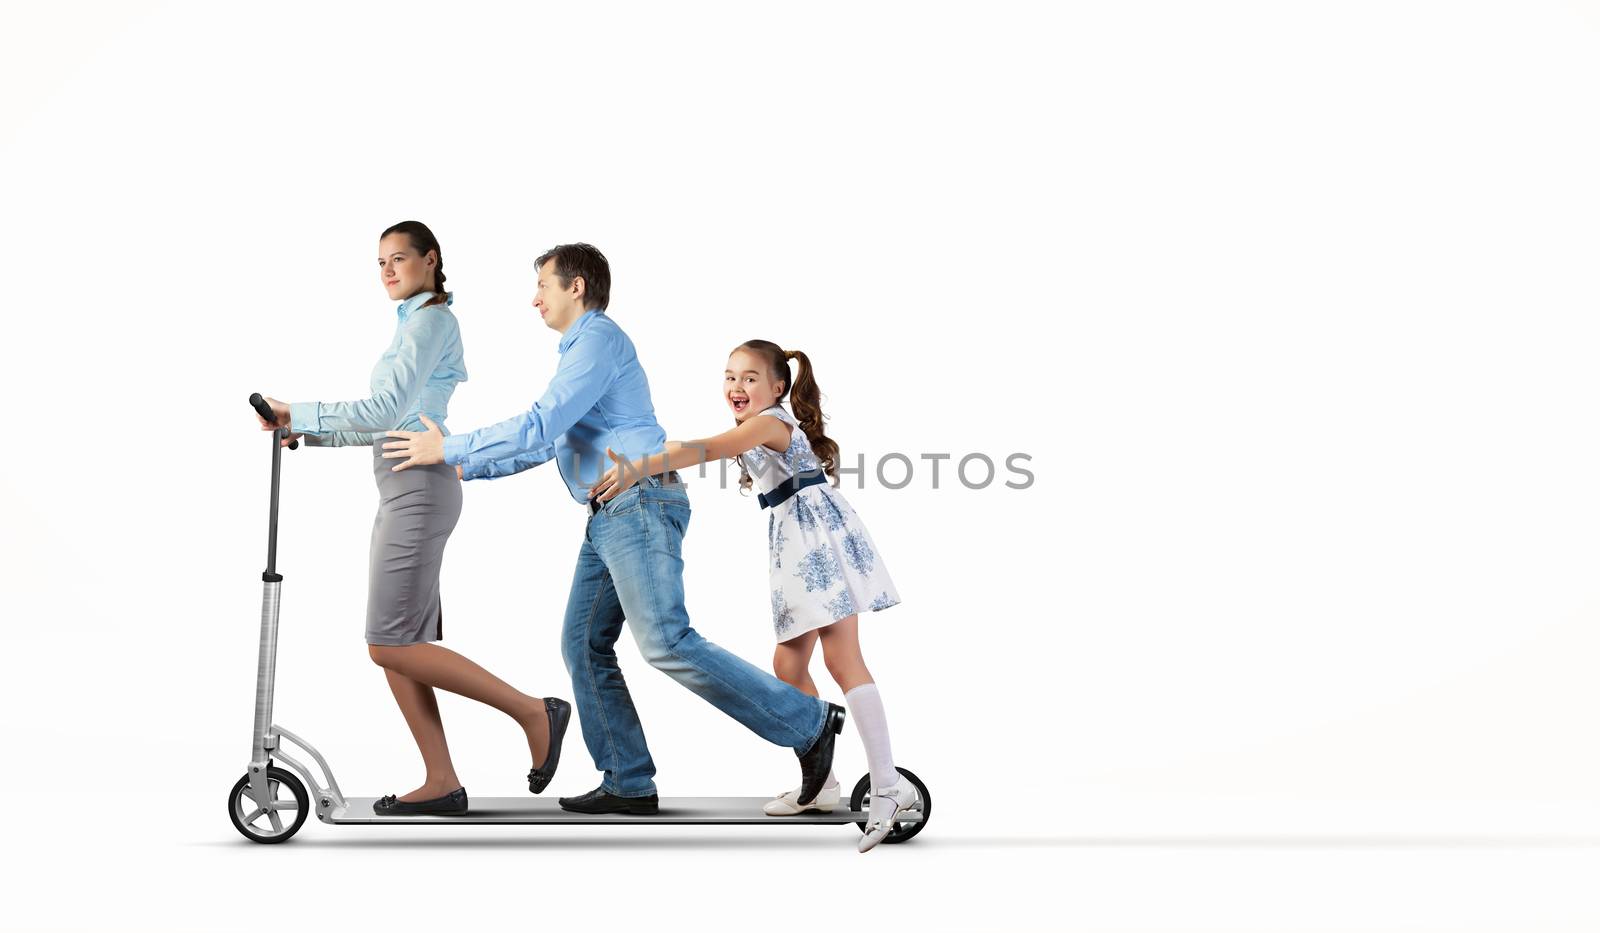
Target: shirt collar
418, 300
584, 320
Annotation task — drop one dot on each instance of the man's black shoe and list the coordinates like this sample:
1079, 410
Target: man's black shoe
598, 801
817, 761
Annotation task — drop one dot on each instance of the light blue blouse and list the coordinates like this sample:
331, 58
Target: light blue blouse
415, 376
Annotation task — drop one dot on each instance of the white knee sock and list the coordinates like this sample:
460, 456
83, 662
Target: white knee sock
867, 710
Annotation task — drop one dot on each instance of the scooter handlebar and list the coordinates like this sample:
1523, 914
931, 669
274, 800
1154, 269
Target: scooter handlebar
267, 415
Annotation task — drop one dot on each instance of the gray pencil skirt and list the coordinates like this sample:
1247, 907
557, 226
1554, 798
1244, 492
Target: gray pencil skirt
417, 510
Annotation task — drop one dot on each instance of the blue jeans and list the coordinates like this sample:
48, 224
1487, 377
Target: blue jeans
630, 568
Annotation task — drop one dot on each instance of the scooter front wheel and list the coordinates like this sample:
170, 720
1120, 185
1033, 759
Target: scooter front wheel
264, 822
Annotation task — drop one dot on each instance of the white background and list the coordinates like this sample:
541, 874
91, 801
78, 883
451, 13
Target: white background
1292, 305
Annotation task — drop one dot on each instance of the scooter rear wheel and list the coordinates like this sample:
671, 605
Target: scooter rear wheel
902, 831
265, 824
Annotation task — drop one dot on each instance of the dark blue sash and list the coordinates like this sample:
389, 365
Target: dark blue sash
791, 486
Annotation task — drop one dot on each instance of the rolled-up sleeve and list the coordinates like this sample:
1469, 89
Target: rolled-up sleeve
423, 338
586, 370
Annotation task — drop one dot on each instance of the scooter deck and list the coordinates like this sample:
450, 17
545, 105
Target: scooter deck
674, 811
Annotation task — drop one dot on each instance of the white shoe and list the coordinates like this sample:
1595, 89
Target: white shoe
788, 803
901, 796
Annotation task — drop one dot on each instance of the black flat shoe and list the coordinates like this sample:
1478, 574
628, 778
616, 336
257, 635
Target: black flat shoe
598, 801
559, 713
451, 804
817, 761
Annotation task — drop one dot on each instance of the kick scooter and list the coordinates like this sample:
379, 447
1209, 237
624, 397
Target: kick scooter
269, 804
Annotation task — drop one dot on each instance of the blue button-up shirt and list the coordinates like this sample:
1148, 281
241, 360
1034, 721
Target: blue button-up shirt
415, 376
598, 398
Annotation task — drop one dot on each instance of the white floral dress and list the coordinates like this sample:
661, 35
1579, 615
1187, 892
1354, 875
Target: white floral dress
824, 564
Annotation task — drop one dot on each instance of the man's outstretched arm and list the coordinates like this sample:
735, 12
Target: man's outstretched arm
525, 440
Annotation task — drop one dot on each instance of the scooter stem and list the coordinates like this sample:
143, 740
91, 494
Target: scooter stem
262, 740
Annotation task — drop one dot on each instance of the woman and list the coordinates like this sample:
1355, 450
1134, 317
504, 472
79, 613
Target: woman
417, 510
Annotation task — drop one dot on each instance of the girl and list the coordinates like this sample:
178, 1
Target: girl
417, 510
824, 566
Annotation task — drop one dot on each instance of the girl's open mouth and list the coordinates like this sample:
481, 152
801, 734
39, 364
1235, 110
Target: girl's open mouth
739, 404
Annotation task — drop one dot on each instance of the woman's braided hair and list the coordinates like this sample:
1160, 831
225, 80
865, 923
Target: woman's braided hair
423, 241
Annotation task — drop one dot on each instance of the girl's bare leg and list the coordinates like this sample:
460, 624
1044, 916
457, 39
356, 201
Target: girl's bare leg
792, 662
429, 665
841, 652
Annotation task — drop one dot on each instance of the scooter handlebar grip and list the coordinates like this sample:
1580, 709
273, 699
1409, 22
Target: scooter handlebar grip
262, 408
265, 411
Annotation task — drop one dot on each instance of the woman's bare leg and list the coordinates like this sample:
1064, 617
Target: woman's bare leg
421, 710
431, 665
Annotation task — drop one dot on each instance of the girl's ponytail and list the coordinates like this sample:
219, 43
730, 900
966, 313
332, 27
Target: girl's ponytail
806, 399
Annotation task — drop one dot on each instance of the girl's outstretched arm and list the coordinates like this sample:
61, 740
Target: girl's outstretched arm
762, 429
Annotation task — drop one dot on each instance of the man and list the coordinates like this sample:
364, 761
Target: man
630, 565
